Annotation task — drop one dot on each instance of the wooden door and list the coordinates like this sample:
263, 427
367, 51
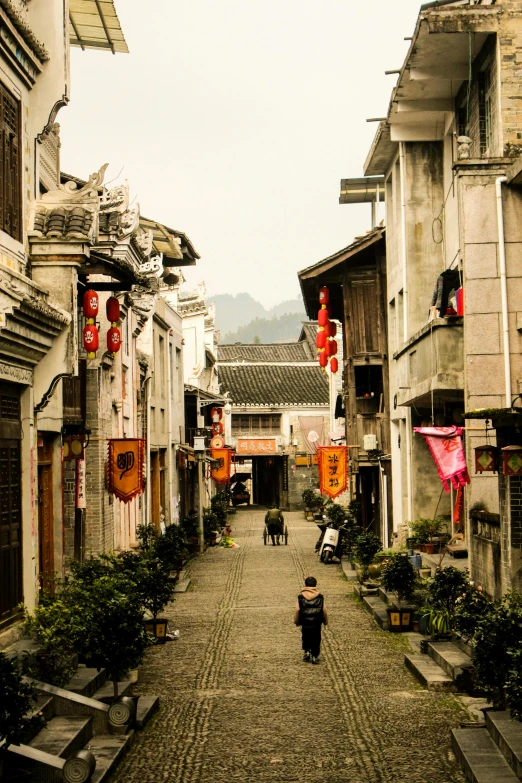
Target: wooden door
10, 529
45, 508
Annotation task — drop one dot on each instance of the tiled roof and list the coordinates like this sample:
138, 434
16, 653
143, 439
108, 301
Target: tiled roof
266, 352
274, 385
309, 333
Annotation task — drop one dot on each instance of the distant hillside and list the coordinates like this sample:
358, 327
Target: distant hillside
286, 328
235, 312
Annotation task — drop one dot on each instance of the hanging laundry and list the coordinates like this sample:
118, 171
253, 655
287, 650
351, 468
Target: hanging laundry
445, 444
447, 284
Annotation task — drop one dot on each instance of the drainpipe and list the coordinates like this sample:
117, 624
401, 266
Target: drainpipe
148, 515
169, 429
503, 287
404, 254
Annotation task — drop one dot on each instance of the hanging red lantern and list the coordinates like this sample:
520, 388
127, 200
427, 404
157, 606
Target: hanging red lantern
331, 329
334, 364
91, 340
217, 428
91, 304
216, 414
323, 359
114, 339
320, 339
332, 347
112, 309
322, 316
324, 295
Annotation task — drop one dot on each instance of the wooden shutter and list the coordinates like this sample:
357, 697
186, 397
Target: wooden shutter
365, 317
10, 168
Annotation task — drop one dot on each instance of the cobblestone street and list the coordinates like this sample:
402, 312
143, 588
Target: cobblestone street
238, 703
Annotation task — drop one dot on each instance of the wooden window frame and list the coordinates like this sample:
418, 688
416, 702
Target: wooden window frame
250, 424
10, 170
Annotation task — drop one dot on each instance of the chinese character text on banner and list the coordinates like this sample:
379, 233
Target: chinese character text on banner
126, 467
333, 470
221, 473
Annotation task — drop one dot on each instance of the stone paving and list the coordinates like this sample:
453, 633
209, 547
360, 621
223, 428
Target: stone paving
238, 703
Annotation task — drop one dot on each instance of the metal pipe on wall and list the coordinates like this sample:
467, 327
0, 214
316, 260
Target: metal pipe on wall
503, 287
404, 251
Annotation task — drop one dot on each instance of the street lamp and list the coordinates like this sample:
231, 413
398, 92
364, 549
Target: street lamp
228, 408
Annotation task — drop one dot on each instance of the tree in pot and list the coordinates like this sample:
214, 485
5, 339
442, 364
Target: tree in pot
156, 590
445, 590
112, 636
309, 500
425, 530
211, 525
17, 724
398, 576
366, 547
146, 536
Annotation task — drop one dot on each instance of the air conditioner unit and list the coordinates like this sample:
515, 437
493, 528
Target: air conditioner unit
370, 442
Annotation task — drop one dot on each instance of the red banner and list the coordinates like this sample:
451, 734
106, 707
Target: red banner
333, 470
221, 473
126, 467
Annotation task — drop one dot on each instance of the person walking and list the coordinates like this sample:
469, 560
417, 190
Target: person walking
275, 522
310, 613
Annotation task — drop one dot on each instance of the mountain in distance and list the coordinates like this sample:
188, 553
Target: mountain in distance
283, 329
241, 318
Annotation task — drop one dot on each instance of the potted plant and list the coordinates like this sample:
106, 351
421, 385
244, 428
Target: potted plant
171, 547
366, 547
146, 536
425, 530
448, 586
211, 526
18, 723
309, 500
156, 590
399, 577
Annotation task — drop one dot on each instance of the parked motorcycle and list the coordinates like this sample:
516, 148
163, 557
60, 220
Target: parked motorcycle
330, 543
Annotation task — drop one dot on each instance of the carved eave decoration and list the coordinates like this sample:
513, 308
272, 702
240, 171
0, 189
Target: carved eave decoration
28, 322
25, 53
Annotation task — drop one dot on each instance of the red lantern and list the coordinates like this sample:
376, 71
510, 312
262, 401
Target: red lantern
323, 359
334, 364
216, 414
331, 329
113, 309
324, 295
114, 339
322, 316
91, 304
217, 428
91, 340
320, 339
332, 347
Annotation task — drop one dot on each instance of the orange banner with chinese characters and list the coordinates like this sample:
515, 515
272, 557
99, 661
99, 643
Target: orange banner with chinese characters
126, 467
221, 473
333, 470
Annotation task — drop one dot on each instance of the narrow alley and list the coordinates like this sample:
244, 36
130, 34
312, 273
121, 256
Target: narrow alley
239, 704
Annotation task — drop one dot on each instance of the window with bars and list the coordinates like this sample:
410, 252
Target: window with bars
10, 168
485, 106
256, 424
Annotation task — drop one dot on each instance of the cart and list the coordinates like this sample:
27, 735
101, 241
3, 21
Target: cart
277, 530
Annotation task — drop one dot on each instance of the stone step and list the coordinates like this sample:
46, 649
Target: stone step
108, 749
377, 608
480, 757
349, 570
45, 705
86, 681
182, 585
449, 657
145, 709
507, 734
105, 694
429, 673
63, 735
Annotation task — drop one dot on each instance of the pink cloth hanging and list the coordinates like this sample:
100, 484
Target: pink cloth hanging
445, 444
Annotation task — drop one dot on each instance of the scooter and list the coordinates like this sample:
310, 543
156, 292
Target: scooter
329, 546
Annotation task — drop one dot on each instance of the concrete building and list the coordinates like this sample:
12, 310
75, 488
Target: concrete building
447, 159
356, 280
280, 413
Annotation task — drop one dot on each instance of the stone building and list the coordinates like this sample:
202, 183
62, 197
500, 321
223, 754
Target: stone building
38, 330
356, 280
447, 160
280, 413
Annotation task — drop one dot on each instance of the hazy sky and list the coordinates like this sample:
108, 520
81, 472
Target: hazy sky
234, 121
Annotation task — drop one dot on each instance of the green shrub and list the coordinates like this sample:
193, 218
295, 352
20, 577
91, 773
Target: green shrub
311, 499
496, 656
146, 535
470, 610
171, 545
425, 529
16, 703
398, 576
366, 547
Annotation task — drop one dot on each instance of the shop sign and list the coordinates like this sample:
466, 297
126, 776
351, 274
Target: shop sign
221, 473
257, 447
80, 484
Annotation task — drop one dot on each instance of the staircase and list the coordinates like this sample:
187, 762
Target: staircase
491, 752
80, 740
447, 666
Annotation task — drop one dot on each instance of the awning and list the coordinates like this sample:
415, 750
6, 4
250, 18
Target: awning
362, 190
173, 244
94, 24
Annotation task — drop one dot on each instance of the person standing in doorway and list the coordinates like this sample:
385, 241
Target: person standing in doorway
310, 613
